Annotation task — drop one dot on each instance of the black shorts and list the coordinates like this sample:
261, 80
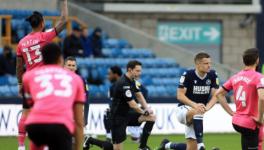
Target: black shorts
55, 136
119, 124
249, 137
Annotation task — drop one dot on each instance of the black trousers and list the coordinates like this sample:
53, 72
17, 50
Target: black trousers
55, 136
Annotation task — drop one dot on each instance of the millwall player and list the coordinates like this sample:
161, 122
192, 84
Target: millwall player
196, 87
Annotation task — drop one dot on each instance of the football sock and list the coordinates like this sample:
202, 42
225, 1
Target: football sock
146, 132
107, 122
175, 146
198, 127
21, 131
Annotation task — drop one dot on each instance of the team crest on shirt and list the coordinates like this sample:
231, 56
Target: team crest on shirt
128, 93
208, 82
195, 81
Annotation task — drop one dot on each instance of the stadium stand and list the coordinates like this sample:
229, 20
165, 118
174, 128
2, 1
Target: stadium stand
160, 75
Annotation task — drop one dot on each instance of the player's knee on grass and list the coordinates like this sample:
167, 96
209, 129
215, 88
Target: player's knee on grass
191, 144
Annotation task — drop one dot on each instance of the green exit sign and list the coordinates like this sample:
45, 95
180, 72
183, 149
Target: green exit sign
206, 33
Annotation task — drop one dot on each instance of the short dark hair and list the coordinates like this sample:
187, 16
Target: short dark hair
250, 56
51, 53
133, 63
116, 70
200, 56
70, 58
35, 19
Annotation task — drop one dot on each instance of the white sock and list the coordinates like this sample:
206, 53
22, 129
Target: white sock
108, 135
200, 145
167, 146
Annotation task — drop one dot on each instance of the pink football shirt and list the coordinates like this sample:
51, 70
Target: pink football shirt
53, 91
245, 85
30, 47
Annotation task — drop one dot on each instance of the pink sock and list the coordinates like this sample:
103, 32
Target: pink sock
21, 131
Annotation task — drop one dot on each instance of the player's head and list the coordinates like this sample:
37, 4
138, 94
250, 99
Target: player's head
134, 68
70, 63
114, 73
52, 54
36, 21
202, 62
251, 57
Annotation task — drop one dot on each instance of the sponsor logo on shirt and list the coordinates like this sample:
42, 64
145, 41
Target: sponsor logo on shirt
201, 89
126, 87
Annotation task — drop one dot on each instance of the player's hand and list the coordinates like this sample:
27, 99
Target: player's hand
258, 120
200, 108
150, 110
146, 113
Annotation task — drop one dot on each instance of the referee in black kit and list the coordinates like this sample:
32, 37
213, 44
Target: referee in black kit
123, 99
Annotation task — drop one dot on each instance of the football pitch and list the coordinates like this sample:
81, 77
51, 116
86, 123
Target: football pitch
226, 141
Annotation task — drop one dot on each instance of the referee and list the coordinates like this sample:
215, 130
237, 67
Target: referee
124, 94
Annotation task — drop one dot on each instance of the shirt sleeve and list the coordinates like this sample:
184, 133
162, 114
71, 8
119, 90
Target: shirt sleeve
49, 35
260, 83
80, 94
228, 85
137, 86
215, 81
184, 83
19, 51
127, 92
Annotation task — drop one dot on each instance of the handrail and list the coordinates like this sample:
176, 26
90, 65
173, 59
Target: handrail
6, 39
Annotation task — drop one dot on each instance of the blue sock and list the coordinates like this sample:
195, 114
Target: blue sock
178, 146
198, 127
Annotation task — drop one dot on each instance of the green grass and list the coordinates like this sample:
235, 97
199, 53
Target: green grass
222, 141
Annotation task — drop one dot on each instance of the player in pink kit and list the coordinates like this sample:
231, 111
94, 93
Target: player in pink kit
248, 87
29, 53
56, 96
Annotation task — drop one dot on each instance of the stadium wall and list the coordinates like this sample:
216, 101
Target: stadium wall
235, 38
29, 4
215, 121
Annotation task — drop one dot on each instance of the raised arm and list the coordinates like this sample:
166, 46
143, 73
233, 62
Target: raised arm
63, 18
19, 72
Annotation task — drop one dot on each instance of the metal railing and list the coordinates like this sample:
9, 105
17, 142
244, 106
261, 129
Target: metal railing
174, 1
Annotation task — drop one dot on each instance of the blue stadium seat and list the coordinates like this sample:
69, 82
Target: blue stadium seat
83, 71
3, 80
